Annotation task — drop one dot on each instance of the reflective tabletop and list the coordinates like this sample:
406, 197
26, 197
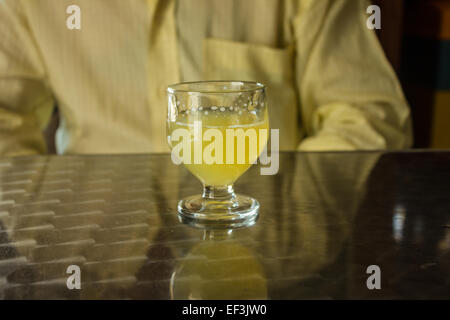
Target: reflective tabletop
326, 221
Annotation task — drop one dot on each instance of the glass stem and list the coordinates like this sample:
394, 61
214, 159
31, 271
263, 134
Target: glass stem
220, 193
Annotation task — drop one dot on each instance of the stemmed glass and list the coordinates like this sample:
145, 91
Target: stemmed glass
217, 129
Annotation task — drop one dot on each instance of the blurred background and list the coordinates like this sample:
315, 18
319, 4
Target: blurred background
415, 35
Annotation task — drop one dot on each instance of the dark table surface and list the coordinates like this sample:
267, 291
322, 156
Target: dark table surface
324, 219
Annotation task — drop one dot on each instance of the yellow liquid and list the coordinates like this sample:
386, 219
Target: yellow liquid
224, 174
211, 271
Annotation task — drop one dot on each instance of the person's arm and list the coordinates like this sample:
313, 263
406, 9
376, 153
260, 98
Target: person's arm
26, 101
350, 96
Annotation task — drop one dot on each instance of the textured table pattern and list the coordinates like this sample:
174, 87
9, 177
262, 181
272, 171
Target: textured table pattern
324, 219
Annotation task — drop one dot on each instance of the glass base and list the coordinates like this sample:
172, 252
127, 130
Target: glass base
207, 212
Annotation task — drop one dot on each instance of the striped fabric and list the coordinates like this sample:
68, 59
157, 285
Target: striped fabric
330, 85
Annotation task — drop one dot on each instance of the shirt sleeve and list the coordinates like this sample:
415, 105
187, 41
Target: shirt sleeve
349, 94
26, 101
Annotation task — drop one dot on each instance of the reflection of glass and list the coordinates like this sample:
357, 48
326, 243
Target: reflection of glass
219, 268
218, 129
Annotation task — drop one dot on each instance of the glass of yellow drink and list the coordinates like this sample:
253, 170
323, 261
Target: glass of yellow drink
217, 129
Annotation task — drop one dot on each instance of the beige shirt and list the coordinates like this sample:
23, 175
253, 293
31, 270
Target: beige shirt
330, 86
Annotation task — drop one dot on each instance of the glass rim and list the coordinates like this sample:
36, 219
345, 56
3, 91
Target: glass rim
178, 87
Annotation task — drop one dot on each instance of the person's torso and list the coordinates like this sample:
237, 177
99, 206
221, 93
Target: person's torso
110, 77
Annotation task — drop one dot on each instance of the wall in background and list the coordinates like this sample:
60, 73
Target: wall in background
391, 32
425, 70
